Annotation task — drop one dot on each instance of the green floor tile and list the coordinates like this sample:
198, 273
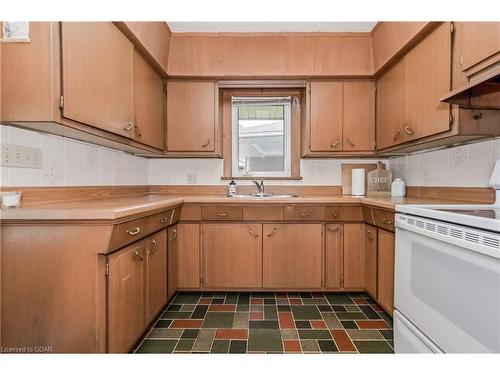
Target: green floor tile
305, 313
187, 298
220, 346
184, 345
309, 346
314, 334
270, 312
218, 320
373, 347
265, 340
157, 346
204, 340
165, 333
351, 316
231, 299
176, 315
364, 334
339, 299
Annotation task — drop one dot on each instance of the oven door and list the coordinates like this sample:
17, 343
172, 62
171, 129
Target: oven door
449, 292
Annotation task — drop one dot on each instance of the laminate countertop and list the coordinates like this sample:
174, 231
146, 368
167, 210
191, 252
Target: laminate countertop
128, 207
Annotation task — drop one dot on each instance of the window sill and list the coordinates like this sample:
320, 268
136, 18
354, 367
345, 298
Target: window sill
261, 178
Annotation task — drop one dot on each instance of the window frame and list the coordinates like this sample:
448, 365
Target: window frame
297, 120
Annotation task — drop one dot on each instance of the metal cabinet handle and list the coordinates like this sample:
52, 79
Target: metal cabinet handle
274, 231
334, 144
350, 142
409, 130
174, 236
335, 214
139, 134
255, 235
155, 244
398, 133
333, 229
304, 213
222, 214
163, 220
129, 126
134, 231
388, 221
369, 234
206, 144
138, 255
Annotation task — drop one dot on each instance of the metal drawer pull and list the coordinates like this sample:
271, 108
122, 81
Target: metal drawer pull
409, 130
255, 235
334, 229
335, 214
369, 234
274, 231
129, 126
222, 214
350, 142
174, 236
136, 253
155, 244
334, 144
163, 220
206, 144
134, 231
398, 133
304, 213
388, 221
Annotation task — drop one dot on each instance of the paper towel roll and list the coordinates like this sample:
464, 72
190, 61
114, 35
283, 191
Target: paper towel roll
358, 181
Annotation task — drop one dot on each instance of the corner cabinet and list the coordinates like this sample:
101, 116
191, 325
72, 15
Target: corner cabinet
480, 45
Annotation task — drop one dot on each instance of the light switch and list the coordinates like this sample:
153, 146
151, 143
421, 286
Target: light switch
21, 156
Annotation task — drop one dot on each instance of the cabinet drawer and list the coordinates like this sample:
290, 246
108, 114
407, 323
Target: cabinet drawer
262, 213
384, 219
367, 215
133, 230
334, 213
304, 213
222, 213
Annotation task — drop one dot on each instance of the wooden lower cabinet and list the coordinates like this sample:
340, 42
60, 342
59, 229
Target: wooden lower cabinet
354, 235
371, 260
292, 256
385, 278
334, 255
188, 255
172, 261
156, 274
232, 255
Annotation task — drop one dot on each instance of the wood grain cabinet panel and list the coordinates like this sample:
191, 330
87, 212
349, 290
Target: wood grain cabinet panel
97, 76
222, 212
358, 128
354, 247
126, 296
148, 104
325, 116
172, 261
371, 260
292, 255
188, 255
156, 274
385, 277
384, 219
191, 116
232, 255
304, 212
334, 256
481, 40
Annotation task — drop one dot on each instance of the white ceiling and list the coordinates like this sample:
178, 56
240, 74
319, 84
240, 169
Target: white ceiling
245, 27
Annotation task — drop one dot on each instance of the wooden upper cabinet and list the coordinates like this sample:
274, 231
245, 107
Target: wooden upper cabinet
427, 79
371, 260
390, 107
481, 40
148, 104
358, 116
334, 254
191, 122
385, 275
97, 76
325, 116
292, 255
354, 240
156, 274
232, 255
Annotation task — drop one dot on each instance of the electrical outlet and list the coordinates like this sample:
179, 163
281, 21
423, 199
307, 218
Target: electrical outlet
21, 156
191, 178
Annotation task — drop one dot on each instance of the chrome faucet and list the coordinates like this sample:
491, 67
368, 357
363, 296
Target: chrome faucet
260, 186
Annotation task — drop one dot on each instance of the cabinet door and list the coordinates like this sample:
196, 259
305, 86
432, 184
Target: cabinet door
126, 298
358, 116
386, 269
334, 254
292, 255
172, 261
326, 116
188, 256
232, 255
148, 104
480, 41
427, 79
371, 260
156, 274
390, 107
97, 82
354, 248
191, 116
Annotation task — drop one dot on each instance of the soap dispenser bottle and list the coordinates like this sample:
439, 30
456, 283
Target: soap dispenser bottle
232, 188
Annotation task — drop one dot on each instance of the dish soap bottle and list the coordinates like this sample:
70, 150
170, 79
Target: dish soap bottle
232, 188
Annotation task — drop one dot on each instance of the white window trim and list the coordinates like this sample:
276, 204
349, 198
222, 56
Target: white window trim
287, 141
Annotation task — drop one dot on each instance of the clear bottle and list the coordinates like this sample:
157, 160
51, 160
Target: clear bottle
398, 187
232, 188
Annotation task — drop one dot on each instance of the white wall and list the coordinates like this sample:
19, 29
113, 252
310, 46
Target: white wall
66, 162
468, 165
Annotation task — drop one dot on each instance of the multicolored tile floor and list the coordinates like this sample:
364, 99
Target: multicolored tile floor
265, 322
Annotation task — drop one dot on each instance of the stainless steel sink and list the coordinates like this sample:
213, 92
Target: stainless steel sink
263, 196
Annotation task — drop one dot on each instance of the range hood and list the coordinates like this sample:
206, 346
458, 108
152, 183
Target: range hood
482, 93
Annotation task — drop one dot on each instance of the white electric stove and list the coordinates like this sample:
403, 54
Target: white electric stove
447, 277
